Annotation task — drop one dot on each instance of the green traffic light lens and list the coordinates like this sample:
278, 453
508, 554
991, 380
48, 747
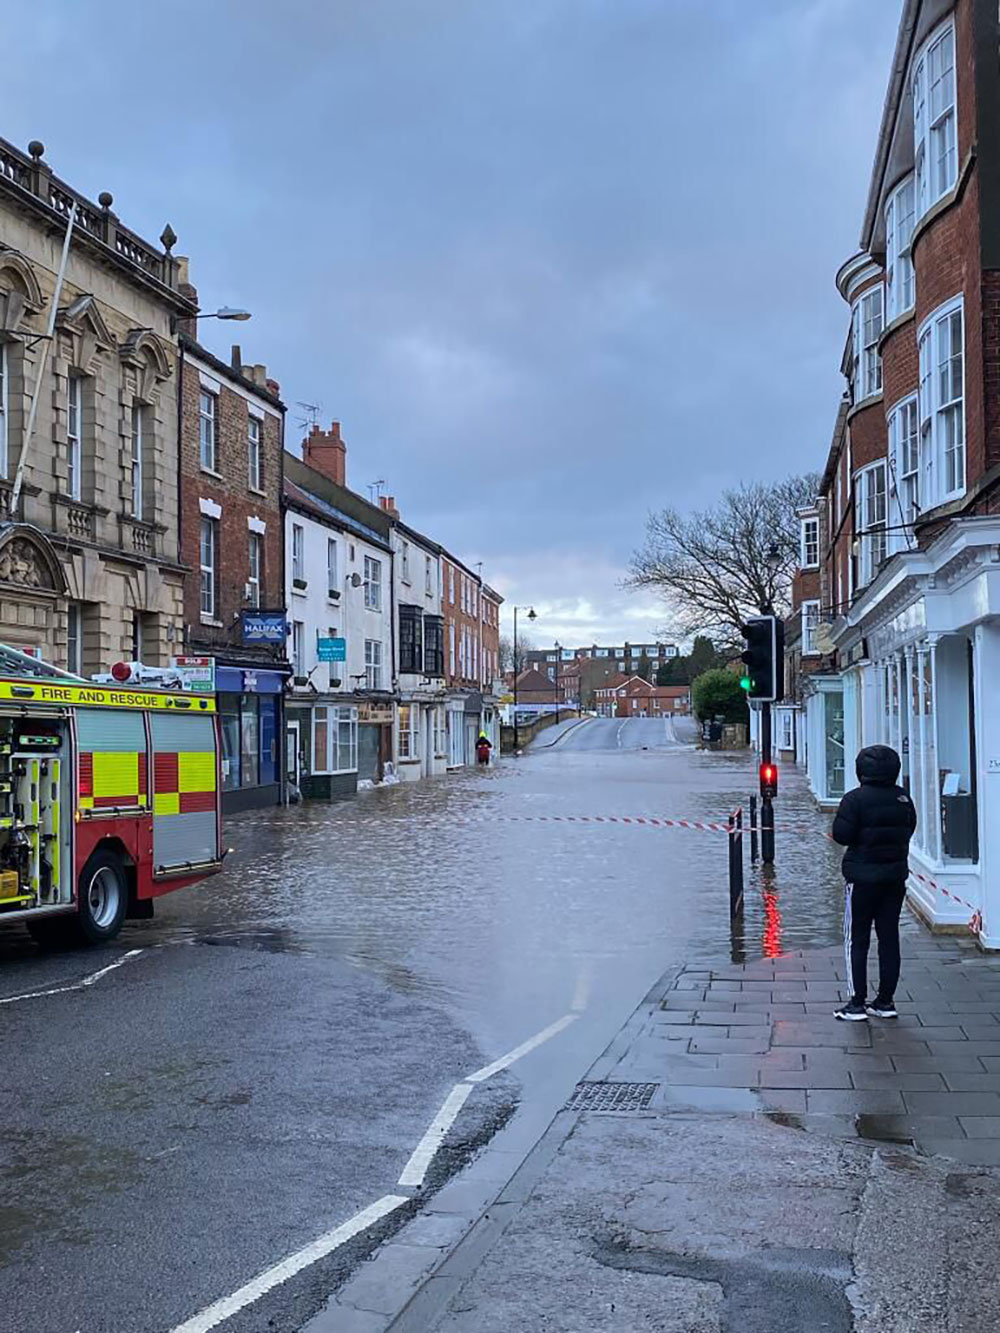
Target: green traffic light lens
745, 683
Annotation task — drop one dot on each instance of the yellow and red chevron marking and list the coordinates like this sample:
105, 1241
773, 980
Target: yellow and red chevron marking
109, 780
184, 783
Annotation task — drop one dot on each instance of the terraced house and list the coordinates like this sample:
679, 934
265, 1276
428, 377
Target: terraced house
899, 639
89, 561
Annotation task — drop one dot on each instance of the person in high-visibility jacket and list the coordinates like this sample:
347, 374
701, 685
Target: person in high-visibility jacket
483, 747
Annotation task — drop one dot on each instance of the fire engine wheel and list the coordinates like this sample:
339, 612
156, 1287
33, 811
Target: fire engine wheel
103, 898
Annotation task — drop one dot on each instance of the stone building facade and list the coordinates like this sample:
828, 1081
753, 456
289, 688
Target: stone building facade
90, 568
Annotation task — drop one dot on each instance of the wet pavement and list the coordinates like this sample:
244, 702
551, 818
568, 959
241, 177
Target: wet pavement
266, 1065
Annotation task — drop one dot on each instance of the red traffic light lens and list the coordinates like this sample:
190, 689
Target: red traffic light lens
121, 672
768, 772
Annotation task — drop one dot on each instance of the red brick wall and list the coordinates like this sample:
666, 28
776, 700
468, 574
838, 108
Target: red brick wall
900, 364
869, 437
231, 490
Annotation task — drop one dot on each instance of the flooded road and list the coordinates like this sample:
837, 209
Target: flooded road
267, 1063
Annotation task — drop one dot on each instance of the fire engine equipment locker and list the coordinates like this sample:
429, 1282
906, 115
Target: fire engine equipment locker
185, 799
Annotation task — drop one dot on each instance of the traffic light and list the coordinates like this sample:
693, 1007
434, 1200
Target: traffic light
768, 781
764, 675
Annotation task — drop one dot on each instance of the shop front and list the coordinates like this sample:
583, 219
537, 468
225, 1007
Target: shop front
374, 741
250, 704
928, 635
322, 747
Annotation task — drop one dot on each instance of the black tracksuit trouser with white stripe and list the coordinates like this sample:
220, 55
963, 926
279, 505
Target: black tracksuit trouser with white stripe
877, 905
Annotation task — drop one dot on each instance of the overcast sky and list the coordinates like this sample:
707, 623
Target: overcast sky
552, 263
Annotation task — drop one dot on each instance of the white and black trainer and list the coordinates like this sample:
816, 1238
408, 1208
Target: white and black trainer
882, 1009
852, 1013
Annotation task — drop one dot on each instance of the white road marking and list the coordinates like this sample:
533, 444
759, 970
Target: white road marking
39, 994
224, 1309
423, 1154
619, 733
75, 985
537, 1040
413, 1174
96, 976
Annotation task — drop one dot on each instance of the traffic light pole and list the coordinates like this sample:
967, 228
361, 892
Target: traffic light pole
766, 804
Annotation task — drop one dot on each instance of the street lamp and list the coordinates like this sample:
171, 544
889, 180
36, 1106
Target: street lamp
531, 616
223, 312
558, 655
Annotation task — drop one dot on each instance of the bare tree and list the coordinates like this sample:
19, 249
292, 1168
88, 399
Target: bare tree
524, 646
719, 566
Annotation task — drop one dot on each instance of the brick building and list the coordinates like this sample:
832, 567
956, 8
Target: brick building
471, 612
906, 650
89, 564
631, 696
231, 470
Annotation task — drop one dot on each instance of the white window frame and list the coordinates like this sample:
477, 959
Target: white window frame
373, 664
900, 216
298, 552
405, 558
74, 638
872, 509
942, 412
786, 729
255, 443
867, 322
138, 411
334, 717
428, 581
809, 538
408, 731
904, 455
935, 117
298, 648
810, 620
373, 583
208, 555
332, 559
256, 565
74, 436
4, 411
451, 648
451, 584
208, 429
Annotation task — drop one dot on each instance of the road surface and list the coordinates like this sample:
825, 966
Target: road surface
231, 1082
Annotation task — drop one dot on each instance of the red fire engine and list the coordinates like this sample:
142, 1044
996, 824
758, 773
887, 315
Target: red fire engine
109, 797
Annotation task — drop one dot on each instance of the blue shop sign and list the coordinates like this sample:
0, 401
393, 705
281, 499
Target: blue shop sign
331, 650
264, 626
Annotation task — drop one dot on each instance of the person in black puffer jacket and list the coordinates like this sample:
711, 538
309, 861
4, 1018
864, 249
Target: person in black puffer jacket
875, 822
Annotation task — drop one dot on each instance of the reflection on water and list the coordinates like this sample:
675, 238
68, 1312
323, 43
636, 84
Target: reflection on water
438, 889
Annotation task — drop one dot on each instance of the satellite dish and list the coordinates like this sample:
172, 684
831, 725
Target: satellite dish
356, 580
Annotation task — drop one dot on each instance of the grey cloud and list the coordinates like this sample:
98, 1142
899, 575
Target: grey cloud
551, 262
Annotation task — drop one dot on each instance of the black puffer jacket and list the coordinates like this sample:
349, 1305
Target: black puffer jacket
875, 821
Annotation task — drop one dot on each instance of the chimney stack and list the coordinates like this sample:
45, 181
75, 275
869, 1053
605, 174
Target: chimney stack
388, 504
189, 290
325, 451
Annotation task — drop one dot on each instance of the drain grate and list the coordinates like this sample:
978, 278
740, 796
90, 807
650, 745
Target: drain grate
611, 1096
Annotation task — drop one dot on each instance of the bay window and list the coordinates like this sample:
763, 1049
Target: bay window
866, 330
899, 218
411, 640
942, 404
935, 133
433, 646
809, 552
870, 490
